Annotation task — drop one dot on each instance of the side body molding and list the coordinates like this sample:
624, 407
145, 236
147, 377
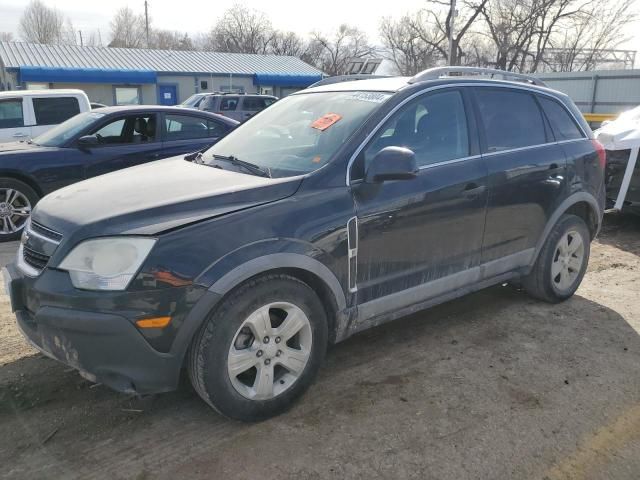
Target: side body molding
563, 207
280, 260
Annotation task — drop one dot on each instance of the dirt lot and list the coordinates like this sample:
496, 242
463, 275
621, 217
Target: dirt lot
493, 386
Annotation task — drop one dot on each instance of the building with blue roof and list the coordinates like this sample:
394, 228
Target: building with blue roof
119, 76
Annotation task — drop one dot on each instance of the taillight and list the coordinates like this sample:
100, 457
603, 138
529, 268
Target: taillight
602, 154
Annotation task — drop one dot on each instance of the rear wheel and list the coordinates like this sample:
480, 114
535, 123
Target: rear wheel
16, 202
261, 349
562, 262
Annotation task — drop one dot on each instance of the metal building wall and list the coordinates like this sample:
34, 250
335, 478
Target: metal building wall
604, 91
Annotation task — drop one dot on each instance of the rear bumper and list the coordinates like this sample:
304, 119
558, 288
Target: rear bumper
104, 346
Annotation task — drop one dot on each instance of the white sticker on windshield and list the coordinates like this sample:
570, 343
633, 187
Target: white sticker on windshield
375, 97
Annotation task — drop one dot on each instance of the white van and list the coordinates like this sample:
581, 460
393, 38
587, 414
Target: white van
28, 113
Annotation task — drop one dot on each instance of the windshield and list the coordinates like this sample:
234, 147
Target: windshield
60, 134
299, 133
193, 100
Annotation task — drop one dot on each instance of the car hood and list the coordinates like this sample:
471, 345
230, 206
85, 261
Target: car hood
155, 197
17, 147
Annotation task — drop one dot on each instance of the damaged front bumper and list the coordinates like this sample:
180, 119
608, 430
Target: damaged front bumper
96, 334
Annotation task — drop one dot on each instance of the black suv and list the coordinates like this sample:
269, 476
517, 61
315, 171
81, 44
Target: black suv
340, 207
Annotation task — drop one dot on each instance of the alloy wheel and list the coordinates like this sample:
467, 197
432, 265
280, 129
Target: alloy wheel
15, 209
270, 351
567, 260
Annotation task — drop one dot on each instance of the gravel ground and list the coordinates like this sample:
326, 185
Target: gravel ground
492, 386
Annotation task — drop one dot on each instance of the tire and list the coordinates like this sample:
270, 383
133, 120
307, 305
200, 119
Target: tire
17, 199
230, 339
562, 262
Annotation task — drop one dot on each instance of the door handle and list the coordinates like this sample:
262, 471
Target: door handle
472, 190
19, 135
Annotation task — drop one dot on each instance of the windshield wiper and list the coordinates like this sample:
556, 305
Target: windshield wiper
251, 167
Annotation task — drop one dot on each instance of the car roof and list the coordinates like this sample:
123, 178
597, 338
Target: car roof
163, 108
213, 94
386, 84
395, 84
47, 92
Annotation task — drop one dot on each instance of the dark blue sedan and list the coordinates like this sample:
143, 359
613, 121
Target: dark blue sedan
94, 143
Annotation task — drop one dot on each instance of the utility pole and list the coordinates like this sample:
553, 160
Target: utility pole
146, 21
452, 17
80, 32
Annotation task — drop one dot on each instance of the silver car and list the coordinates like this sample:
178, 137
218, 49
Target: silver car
236, 106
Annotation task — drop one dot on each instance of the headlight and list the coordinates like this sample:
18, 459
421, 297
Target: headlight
106, 263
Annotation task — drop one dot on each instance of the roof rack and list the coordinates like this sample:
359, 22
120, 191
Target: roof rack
345, 78
438, 72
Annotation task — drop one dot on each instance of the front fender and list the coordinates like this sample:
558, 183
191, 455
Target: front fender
234, 268
248, 261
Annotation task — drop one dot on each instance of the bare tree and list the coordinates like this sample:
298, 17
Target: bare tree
128, 29
514, 35
92, 39
41, 24
582, 42
336, 51
410, 43
466, 15
286, 43
313, 53
169, 40
6, 37
241, 30
421, 39
68, 33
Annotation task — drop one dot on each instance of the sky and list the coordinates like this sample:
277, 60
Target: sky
195, 16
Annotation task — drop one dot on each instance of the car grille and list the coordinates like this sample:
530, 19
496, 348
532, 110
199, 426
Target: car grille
38, 244
45, 232
35, 259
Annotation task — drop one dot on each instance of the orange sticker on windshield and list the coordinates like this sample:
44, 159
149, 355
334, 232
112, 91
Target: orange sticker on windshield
326, 121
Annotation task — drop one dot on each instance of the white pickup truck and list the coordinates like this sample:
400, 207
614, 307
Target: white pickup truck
28, 113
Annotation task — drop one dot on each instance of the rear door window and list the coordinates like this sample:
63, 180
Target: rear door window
511, 119
563, 126
216, 129
228, 103
11, 115
183, 127
54, 110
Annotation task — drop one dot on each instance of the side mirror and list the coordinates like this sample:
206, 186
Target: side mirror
87, 141
392, 163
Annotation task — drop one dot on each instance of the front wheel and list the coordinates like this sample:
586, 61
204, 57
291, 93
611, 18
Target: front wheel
562, 262
261, 348
16, 201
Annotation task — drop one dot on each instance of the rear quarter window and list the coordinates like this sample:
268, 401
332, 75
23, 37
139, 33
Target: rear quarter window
511, 119
253, 104
564, 127
54, 110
